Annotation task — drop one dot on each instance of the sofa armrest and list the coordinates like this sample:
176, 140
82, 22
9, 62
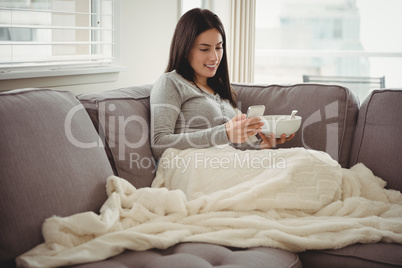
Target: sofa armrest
377, 141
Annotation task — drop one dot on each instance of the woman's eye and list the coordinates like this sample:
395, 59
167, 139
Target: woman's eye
206, 49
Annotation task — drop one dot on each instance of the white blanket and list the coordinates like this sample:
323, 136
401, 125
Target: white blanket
294, 199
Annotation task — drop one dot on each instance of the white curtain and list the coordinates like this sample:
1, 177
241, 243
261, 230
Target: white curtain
241, 40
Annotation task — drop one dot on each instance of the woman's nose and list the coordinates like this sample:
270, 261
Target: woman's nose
214, 55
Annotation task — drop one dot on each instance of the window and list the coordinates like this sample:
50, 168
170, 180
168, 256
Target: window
338, 38
49, 36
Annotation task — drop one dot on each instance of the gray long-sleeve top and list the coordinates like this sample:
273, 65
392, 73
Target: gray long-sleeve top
183, 116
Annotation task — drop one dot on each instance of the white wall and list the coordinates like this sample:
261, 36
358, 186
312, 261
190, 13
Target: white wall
146, 30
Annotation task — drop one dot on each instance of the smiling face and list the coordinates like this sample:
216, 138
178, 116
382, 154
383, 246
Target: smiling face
206, 54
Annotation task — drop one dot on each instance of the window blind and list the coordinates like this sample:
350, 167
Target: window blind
56, 34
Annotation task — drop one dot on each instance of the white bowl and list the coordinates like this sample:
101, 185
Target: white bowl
279, 124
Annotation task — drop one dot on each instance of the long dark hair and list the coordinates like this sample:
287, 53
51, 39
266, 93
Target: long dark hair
190, 25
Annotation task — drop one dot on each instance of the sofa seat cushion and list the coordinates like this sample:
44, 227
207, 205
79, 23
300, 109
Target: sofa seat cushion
379, 255
51, 164
377, 142
122, 118
200, 255
329, 114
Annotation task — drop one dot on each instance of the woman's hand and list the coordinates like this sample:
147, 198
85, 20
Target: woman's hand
270, 142
240, 128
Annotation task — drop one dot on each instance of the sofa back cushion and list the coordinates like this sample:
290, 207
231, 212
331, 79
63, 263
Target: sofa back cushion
51, 164
122, 119
328, 114
378, 142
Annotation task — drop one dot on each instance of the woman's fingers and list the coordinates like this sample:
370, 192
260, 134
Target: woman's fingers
291, 137
284, 139
267, 142
271, 141
240, 128
253, 125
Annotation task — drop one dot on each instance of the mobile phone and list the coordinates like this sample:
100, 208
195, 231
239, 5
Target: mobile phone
252, 111
255, 110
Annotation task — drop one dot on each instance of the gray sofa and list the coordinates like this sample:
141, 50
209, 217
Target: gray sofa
57, 150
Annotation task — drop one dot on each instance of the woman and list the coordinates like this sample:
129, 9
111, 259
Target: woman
193, 104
